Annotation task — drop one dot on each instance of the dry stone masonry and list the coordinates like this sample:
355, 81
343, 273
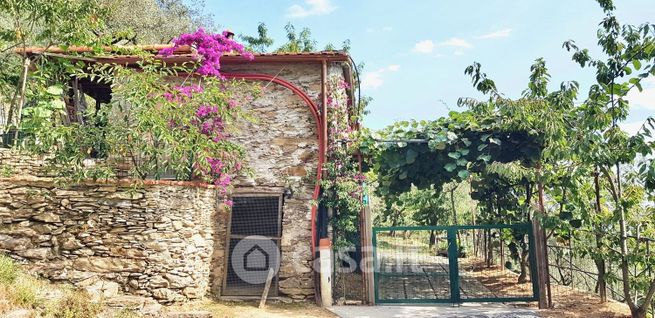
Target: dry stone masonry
155, 241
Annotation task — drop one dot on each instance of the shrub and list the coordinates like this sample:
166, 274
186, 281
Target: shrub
8, 270
25, 291
125, 313
76, 305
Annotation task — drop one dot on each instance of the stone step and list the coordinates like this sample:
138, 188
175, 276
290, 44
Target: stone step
189, 314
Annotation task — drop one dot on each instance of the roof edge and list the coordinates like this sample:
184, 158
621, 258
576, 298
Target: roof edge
117, 54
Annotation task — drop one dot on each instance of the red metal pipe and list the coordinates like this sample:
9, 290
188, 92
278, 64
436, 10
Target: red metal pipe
319, 129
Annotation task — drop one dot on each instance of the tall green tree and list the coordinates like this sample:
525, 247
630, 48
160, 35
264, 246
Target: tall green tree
259, 43
629, 56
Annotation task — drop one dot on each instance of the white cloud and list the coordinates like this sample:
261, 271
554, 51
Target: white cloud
631, 127
646, 98
393, 67
312, 7
496, 34
457, 42
424, 47
375, 79
383, 29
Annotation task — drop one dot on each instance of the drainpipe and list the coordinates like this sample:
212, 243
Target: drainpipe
324, 106
325, 245
324, 116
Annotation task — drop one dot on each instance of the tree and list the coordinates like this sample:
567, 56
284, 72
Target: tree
298, 42
261, 42
627, 48
158, 21
39, 22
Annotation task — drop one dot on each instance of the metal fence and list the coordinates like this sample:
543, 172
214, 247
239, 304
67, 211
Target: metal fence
451, 264
571, 270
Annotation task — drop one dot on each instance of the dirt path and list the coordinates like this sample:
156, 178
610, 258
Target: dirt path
244, 309
568, 302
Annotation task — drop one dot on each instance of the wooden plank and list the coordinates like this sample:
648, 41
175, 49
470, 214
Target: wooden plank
269, 279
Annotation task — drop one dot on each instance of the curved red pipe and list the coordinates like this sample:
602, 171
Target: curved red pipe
321, 138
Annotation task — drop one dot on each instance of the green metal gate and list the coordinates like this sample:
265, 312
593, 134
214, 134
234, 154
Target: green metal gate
454, 264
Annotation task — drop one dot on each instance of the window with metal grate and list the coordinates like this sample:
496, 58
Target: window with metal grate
253, 245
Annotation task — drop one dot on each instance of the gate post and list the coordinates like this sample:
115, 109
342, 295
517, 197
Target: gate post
542, 262
376, 279
453, 267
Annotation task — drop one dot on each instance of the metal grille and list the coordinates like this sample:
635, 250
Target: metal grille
256, 216
254, 245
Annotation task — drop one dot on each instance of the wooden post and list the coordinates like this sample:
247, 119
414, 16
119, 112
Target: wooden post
21, 99
502, 254
367, 255
269, 279
541, 253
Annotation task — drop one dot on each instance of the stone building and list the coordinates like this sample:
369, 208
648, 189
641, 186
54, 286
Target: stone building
173, 240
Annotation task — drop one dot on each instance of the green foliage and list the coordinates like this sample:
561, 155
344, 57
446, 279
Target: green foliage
8, 270
298, 42
261, 42
24, 292
431, 153
158, 21
155, 133
629, 56
76, 304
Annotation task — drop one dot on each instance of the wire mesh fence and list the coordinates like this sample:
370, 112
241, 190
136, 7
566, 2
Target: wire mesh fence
452, 264
496, 263
412, 265
575, 273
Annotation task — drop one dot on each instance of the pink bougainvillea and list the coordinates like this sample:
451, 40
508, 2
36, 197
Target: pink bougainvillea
210, 47
209, 119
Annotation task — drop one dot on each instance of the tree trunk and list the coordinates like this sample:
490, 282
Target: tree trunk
541, 252
623, 241
452, 205
638, 312
490, 249
601, 287
433, 239
523, 276
16, 106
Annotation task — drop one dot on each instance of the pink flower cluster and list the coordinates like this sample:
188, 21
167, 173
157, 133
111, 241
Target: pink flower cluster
180, 92
221, 179
210, 47
211, 123
208, 118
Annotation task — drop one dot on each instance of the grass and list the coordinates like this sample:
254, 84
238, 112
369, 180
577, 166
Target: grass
20, 290
25, 292
8, 270
75, 304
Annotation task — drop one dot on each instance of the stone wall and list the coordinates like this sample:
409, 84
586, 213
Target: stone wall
14, 163
153, 241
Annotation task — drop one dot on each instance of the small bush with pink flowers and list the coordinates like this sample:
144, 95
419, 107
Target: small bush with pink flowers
161, 119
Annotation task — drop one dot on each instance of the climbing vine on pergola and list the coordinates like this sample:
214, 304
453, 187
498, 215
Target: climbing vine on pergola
432, 153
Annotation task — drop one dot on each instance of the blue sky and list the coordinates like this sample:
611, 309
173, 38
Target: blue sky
416, 51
